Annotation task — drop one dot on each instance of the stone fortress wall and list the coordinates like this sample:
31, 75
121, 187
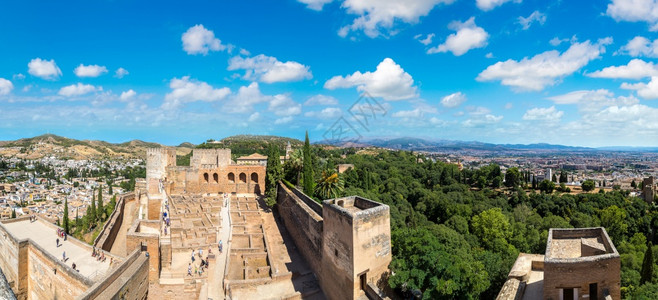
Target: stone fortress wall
210, 171
352, 235
35, 273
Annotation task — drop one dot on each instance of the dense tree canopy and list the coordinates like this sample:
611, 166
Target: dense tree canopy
455, 234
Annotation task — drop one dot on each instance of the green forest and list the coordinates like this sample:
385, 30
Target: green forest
456, 233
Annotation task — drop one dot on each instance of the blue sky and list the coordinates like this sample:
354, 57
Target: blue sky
503, 71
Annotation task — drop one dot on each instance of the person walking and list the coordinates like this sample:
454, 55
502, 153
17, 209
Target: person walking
192, 255
189, 269
57, 242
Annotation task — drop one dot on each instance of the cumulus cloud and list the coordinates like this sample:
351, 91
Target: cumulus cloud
46, 69
327, 113
641, 46
283, 106
593, 100
467, 36
315, 4
549, 114
388, 81
321, 100
120, 72
544, 69
535, 16
376, 17
635, 11
90, 70
185, 90
414, 113
127, 95
426, 40
453, 100
78, 90
269, 69
635, 69
254, 117
491, 4
199, 40
481, 120
5, 86
644, 90
284, 120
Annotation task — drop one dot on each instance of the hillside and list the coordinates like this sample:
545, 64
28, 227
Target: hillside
52, 145
247, 144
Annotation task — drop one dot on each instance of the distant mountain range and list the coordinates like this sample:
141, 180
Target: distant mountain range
52, 145
419, 144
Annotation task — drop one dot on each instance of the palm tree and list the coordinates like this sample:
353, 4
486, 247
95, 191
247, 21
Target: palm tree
330, 185
296, 162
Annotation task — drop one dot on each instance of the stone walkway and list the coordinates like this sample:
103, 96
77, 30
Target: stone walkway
119, 245
45, 236
216, 278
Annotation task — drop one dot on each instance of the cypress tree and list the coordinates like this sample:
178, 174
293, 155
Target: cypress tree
647, 266
273, 173
99, 206
13, 214
66, 216
308, 168
92, 210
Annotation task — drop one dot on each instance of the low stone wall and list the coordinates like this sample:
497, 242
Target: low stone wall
128, 281
105, 240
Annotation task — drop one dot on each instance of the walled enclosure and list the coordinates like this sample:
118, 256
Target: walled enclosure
34, 273
352, 234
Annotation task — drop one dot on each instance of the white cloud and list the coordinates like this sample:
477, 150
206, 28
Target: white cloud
549, 114
90, 70
477, 110
544, 69
635, 69
641, 46
5, 86
120, 72
481, 120
593, 100
635, 11
254, 117
283, 120
18, 76
315, 4
78, 90
509, 105
489, 55
283, 105
269, 69
389, 81
415, 113
376, 16
46, 69
644, 90
535, 16
327, 113
321, 100
425, 41
467, 36
453, 100
186, 90
127, 95
491, 4
199, 40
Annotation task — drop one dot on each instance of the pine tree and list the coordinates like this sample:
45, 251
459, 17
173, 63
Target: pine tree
99, 206
308, 168
66, 216
646, 275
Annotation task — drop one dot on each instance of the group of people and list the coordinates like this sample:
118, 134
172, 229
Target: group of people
165, 218
33, 218
203, 265
99, 255
61, 233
